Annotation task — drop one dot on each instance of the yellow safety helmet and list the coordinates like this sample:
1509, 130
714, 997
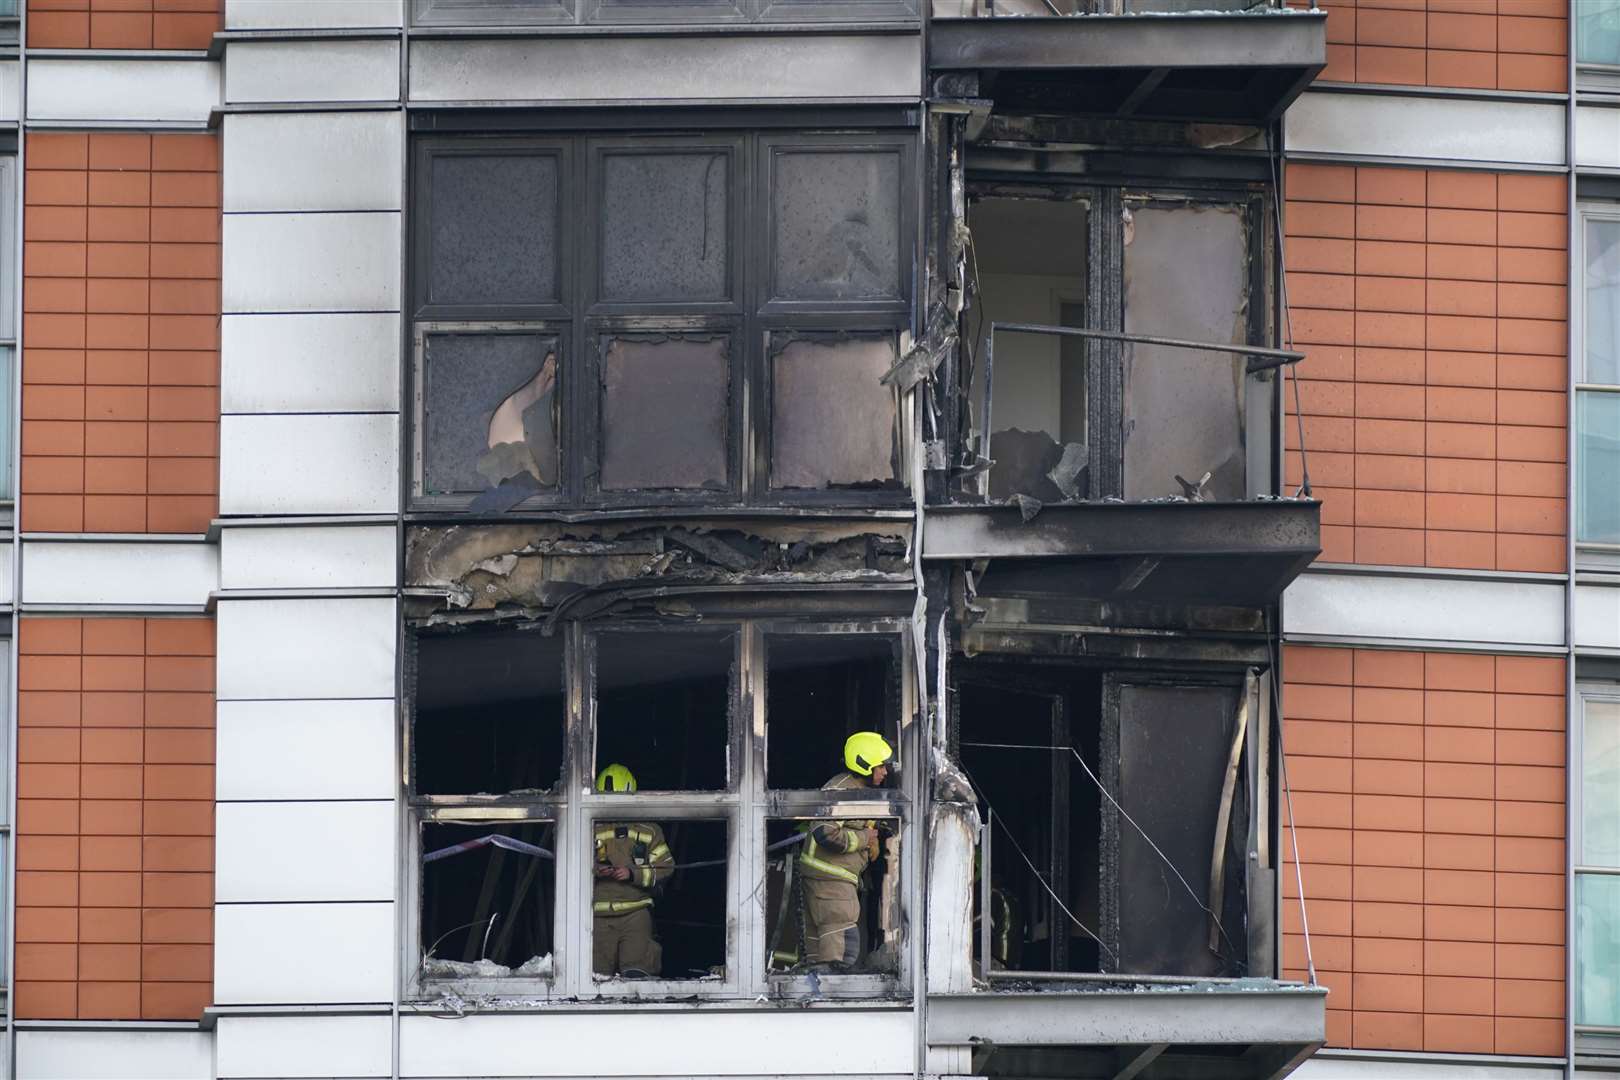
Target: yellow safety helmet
615, 778
864, 750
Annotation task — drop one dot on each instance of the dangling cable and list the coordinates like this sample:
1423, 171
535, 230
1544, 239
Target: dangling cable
1288, 799
1288, 319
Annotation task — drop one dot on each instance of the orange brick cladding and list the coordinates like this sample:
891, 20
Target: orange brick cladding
120, 422
115, 818
1432, 309
1429, 794
122, 24
1473, 44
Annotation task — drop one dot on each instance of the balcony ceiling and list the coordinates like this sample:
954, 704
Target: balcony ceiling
1235, 553
1213, 67
1251, 1029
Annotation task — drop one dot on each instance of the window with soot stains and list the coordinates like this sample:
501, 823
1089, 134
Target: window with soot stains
659, 320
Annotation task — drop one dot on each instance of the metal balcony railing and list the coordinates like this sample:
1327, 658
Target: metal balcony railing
1193, 419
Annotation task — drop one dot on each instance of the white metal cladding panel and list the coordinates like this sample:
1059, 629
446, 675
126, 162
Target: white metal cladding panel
310, 262
5, 573
312, 14
297, 851
309, 464
309, 363
793, 1042
289, 71
156, 91
149, 574
1401, 125
1461, 610
1597, 137
305, 750
251, 1047
1597, 616
303, 954
10, 81
114, 1055
307, 557
682, 68
277, 650
313, 161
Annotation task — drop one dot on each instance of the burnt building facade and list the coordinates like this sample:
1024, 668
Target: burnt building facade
528, 388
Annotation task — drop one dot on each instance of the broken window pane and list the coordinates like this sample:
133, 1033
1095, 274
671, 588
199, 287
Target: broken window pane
1026, 734
488, 899
664, 226
663, 706
837, 216
492, 229
658, 898
666, 412
820, 689
833, 423
1186, 276
1031, 257
489, 712
816, 919
490, 411
1173, 745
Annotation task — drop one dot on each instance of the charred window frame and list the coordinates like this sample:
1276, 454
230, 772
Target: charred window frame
570, 810
838, 305
1110, 209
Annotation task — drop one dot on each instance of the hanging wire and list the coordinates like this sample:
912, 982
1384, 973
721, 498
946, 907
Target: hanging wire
1013, 840
1288, 798
1288, 319
1126, 814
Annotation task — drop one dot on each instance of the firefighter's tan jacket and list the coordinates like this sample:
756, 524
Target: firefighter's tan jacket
638, 847
837, 849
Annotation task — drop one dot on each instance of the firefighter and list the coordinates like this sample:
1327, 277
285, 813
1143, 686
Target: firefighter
632, 864
836, 852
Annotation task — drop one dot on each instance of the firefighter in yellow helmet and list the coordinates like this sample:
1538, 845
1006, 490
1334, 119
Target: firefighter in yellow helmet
836, 853
632, 862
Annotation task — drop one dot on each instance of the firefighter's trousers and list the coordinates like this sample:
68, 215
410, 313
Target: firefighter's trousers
832, 915
625, 943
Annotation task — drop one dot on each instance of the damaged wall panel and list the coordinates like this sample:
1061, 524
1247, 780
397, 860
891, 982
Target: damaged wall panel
535, 567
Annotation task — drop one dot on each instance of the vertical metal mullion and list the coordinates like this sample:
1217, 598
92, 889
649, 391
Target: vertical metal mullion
572, 888
1105, 289
748, 894
1059, 764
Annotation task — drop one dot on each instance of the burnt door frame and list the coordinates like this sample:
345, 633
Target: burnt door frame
1059, 878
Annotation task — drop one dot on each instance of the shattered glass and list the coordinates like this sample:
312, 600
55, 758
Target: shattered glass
490, 412
1186, 276
837, 217
1031, 256
833, 424
487, 912
492, 229
664, 227
665, 412
663, 706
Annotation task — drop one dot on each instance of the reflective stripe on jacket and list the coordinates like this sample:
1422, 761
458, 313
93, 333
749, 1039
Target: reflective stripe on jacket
639, 848
835, 849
